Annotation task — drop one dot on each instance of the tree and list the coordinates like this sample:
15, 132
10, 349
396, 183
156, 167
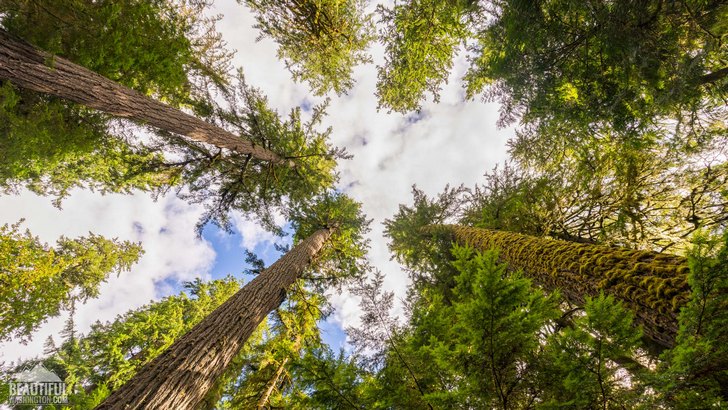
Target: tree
615, 65
482, 336
654, 199
94, 364
39, 282
321, 41
165, 48
612, 65
695, 373
259, 182
653, 285
225, 182
267, 380
28, 67
579, 361
421, 39
182, 375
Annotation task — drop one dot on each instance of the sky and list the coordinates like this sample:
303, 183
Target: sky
451, 142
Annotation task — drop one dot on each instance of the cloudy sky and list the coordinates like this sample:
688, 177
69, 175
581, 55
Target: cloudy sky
450, 142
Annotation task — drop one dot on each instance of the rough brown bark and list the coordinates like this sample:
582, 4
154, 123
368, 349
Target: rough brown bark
29, 67
181, 376
653, 285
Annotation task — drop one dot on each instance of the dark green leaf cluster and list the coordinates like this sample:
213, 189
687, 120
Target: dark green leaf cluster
50, 147
150, 46
696, 370
405, 230
590, 354
226, 182
421, 37
496, 341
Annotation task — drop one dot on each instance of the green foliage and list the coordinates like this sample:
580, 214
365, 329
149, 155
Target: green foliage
647, 189
39, 282
224, 182
51, 147
696, 370
512, 199
94, 364
267, 377
495, 341
326, 380
489, 332
653, 285
162, 48
405, 231
577, 361
618, 62
152, 46
321, 41
421, 39
342, 258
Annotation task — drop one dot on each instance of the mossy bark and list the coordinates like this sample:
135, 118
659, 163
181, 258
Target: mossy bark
181, 376
653, 285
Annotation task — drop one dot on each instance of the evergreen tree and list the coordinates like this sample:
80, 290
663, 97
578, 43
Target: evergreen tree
94, 364
163, 48
28, 67
321, 41
266, 382
614, 64
695, 372
39, 281
328, 232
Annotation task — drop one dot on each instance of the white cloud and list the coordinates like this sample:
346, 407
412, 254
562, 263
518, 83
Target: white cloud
252, 233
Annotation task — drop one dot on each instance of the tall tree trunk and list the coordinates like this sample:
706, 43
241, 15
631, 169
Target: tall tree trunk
29, 67
180, 377
653, 285
272, 383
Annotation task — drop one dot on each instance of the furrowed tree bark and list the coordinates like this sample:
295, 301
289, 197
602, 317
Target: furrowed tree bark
29, 67
653, 285
181, 376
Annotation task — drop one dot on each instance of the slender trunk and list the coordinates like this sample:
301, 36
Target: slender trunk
653, 285
272, 385
181, 376
29, 67
714, 76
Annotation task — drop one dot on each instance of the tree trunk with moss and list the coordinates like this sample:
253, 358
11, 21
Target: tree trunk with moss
28, 67
181, 376
653, 285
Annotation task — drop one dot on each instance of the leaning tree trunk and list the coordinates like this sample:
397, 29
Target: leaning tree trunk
271, 385
653, 285
29, 67
181, 376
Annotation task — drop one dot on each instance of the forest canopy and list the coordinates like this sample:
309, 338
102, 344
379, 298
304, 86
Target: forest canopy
586, 268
